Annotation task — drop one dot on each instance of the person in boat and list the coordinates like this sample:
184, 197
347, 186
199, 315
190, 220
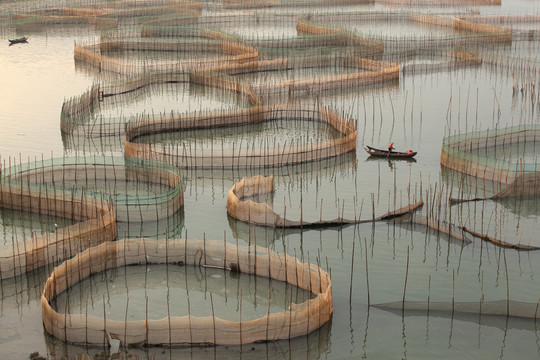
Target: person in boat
391, 147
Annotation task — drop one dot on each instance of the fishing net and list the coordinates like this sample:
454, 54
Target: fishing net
455, 31
80, 115
201, 156
240, 207
97, 54
140, 190
101, 15
497, 155
299, 320
93, 216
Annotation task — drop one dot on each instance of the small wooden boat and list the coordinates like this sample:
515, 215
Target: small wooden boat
389, 154
18, 41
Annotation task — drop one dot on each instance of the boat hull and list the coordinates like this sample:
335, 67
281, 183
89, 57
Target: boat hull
18, 41
389, 154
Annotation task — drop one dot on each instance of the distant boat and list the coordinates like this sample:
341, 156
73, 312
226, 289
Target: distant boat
18, 41
389, 154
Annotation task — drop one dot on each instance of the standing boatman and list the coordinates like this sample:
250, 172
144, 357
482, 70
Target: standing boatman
391, 147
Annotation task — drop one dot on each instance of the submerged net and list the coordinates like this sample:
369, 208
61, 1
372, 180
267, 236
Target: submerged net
241, 208
506, 308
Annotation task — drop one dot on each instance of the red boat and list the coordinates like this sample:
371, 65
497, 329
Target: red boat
389, 154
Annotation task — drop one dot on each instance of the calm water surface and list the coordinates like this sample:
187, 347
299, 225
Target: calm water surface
416, 113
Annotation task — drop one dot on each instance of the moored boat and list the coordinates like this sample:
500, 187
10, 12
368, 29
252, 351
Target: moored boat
18, 41
389, 154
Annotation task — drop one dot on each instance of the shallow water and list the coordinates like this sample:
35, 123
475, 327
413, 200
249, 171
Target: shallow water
264, 31
416, 113
163, 100
272, 133
36, 78
400, 29
168, 288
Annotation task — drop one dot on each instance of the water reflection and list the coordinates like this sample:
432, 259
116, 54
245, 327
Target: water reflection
501, 322
19, 291
162, 99
170, 227
17, 226
311, 346
79, 144
385, 337
511, 219
267, 236
258, 235
467, 186
528, 207
391, 161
